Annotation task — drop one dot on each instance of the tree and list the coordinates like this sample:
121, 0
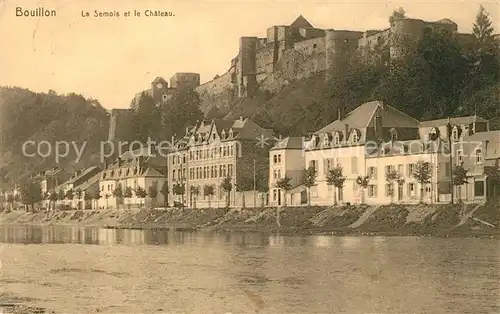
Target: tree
398, 14
308, 179
227, 186
164, 191
181, 110
179, 189
31, 193
118, 194
362, 182
140, 193
392, 176
153, 193
422, 173
483, 32
284, 185
195, 191
78, 193
127, 193
146, 118
336, 179
53, 198
208, 190
70, 194
459, 178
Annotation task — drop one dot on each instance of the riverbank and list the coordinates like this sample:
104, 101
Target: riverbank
395, 219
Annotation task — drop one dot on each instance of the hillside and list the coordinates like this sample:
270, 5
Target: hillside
28, 116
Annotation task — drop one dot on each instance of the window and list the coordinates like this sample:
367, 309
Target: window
394, 135
314, 46
275, 174
372, 191
275, 159
275, 194
372, 172
354, 165
479, 156
427, 190
279, 159
454, 133
336, 138
401, 169
389, 190
409, 169
466, 130
355, 137
460, 156
479, 188
328, 164
279, 174
173, 174
326, 140
412, 190
312, 163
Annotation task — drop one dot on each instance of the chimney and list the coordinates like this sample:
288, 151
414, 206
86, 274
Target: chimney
381, 104
187, 130
339, 114
119, 162
241, 118
346, 132
105, 164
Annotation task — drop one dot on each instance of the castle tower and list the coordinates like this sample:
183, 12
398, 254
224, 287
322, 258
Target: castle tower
159, 89
339, 44
404, 29
247, 69
185, 80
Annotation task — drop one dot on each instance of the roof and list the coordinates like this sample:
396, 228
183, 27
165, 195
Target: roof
85, 172
296, 189
301, 22
289, 143
152, 172
87, 184
362, 116
159, 79
454, 121
446, 21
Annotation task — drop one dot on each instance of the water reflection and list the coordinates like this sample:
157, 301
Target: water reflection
91, 235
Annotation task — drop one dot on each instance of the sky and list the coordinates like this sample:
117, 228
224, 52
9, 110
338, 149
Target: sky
112, 58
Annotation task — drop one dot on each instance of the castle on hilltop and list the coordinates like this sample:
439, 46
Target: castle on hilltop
291, 52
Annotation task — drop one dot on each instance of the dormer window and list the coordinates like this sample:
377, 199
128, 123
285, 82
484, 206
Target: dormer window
230, 133
454, 133
223, 134
394, 135
355, 137
337, 138
479, 155
434, 134
213, 136
327, 139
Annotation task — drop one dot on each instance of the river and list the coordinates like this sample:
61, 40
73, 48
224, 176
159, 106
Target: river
92, 270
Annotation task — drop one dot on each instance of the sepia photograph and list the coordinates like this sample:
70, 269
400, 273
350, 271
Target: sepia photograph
249, 156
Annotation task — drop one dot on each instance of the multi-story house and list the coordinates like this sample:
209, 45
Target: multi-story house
136, 172
345, 142
474, 147
401, 159
78, 185
286, 159
50, 179
214, 150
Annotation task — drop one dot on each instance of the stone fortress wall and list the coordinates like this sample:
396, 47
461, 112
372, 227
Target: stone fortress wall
291, 52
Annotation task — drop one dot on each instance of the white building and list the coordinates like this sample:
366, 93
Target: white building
286, 159
133, 172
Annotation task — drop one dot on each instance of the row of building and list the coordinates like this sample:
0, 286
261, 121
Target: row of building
369, 141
